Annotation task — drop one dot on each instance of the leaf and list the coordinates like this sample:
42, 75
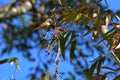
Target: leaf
72, 36
117, 52
4, 61
22, 19
63, 43
118, 46
106, 2
85, 34
108, 33
109, 68
117, 16
17, 66
104, 29
92, 68
99, 64
68, 15
11, 60
116, 57
99, 77
99, 48
117, 26
67, 40
77, 17
114, 40
8, 60
107, 20
117, 77
52, 43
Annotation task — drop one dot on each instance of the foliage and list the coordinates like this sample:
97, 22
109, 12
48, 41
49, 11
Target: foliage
76, 24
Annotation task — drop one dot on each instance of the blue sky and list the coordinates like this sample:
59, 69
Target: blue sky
6, 70
114, 4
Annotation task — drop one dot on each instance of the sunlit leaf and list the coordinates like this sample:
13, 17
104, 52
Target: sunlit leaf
117, 17
77, 17
116, 57
72, 50
63, 42
107, 20
17, 65
104, 29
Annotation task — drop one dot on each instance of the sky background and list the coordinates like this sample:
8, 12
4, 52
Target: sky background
6, 70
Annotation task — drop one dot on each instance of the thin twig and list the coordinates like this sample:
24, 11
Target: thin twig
58, 54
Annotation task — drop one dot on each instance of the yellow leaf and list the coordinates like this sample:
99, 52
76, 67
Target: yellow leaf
78, 16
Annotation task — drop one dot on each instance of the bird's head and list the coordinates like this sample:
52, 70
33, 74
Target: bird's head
46, 24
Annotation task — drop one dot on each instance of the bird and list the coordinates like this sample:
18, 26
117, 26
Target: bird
46, 24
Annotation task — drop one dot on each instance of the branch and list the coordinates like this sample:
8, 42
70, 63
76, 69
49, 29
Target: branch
9, 10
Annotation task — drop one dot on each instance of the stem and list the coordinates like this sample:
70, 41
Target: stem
58, 54
115, 56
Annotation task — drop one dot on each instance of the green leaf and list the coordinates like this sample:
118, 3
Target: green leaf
72, 37
117, 77
22, 19
68, 15
4, 61
99, 48
91, 71
116, 57
63, 43
11, 60
72, 49
99, 64
17, 65
52, 43
8, 60
77, 17
73, 45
